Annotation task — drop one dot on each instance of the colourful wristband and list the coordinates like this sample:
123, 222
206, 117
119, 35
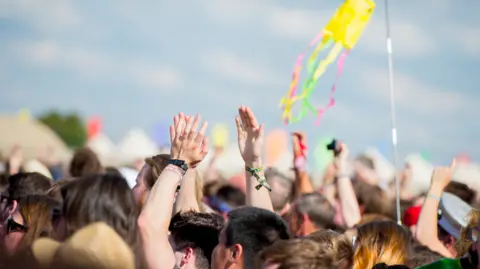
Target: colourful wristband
433, 197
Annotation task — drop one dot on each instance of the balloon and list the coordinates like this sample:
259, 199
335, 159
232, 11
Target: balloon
322, 155
161, 134
220, 135
276, 146
24, 115
94, 126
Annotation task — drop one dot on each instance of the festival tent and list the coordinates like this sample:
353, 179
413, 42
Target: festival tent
33, 137
136, 145
103, 147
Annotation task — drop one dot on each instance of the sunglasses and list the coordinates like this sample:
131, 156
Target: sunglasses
13, 226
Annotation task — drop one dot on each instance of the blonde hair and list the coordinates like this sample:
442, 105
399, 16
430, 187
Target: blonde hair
465, 242
157, 163
381, 242
336, 248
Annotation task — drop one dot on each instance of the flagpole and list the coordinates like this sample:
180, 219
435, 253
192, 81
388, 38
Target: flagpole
392, 112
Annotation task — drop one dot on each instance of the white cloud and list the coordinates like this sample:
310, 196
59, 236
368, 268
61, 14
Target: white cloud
94, 64
413, 94
300, 24
236, 68
45, 15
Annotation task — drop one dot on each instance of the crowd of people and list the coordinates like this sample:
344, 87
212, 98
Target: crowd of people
173, 216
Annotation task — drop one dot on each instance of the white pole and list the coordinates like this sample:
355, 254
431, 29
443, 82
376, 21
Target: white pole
392, 113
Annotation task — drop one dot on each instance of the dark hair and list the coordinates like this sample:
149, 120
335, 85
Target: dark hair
318, 209
254, 229
462, 191
423, 256
85, 162
113, 171
384, 266
106, 198
199, 231
23, 184
231, 195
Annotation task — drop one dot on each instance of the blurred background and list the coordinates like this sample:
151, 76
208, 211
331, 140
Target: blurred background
111, 74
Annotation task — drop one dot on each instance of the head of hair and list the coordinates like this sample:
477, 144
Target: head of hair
372, 198
385, 266
336, 248
463, 244
113, 171
24, 184
36, 212
281, 195
155, 166
372, 217
381, 242
254, 229
462, 191
231, 195
318, 209
84, 162
106, 198
296, 254
423, 256
199, 231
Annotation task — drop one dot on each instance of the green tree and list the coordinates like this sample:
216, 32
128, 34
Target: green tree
68, 126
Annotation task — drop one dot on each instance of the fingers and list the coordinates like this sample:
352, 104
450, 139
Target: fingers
251, 118
180, 125
189, 125
201, 134
239, 125
172, 133
193, 130
205, 146
244, 117
261, 131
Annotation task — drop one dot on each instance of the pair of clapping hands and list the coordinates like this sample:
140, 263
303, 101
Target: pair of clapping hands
191, 145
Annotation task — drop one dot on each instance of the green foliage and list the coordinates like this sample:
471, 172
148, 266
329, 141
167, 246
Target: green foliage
68, 126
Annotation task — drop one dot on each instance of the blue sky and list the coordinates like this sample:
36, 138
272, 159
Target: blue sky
139, 62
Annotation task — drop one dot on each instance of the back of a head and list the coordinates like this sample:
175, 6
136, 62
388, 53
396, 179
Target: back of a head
422, 256
103, 197
282, 188
381, 242
234, 197
318, 209
335, 248
199, 231
372, 198
301, 253
462, 191
24, 184
85, 162
254, 229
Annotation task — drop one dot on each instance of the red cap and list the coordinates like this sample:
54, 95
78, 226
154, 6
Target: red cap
411, 215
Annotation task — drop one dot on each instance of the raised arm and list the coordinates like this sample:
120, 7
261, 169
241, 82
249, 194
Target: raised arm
250, 142
188, 149
426, 232
302, 180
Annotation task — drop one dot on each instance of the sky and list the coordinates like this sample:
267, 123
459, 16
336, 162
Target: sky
136, 63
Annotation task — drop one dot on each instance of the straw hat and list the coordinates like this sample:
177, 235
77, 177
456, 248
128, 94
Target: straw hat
95, 246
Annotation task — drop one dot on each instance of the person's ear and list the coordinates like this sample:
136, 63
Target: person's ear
188, 255
13, 207
236, 254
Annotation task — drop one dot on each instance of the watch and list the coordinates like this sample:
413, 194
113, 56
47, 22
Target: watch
179, 163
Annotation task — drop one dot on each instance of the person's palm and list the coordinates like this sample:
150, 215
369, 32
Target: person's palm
250, 135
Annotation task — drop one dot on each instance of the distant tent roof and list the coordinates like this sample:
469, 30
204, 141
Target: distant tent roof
136, 145
32, 136
103, 147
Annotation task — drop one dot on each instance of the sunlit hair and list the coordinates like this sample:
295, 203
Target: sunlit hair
372, 217
335, 247
381, 242
302, 253
36, 213
156, 164
465, 242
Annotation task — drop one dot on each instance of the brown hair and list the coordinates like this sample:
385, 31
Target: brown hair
372, 198
156, 164
301, 253
85, 162
336, 248
36, 212
381, 242
372, 217
464, 243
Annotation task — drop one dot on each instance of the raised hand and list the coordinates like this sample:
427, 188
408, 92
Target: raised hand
299, 144
442, 176
340, 160
250, 136
188, 144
